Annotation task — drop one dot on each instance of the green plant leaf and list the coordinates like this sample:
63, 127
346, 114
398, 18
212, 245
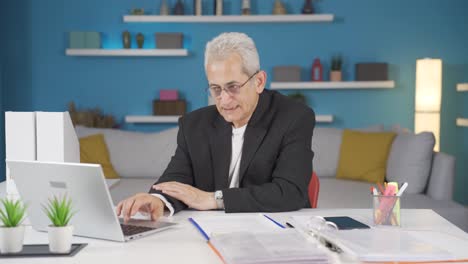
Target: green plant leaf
13, 213
59, 210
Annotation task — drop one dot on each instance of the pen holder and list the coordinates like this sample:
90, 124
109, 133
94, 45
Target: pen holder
386, 210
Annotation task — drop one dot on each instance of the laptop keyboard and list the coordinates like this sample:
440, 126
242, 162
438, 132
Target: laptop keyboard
130, 230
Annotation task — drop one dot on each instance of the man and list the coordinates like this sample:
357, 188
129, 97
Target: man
251, 152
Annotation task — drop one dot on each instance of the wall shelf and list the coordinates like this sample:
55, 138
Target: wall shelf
174, 119
126, 52
332, 85
324, 118
151, 119
462, 122
462, 87
230, 18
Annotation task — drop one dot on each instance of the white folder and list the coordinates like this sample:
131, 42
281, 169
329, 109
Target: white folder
56, 138
20, 141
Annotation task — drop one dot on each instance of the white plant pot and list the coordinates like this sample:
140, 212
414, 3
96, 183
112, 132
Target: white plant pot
11, 239
60, 239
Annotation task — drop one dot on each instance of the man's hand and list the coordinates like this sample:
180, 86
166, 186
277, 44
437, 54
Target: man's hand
191, 196
140, 202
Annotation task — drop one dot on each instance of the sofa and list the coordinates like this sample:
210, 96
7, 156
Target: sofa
140, 158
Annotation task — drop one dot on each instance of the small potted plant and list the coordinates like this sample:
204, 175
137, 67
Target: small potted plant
12, 232
297, 96
59, 211
335, 73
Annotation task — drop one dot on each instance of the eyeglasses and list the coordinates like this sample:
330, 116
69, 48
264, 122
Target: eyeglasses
231, 89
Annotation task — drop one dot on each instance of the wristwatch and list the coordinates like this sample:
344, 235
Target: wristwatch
218, 195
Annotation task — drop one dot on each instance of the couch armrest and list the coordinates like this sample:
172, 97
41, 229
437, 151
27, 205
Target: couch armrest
440, 186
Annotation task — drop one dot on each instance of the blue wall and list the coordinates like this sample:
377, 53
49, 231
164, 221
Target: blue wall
15, 61
397, 32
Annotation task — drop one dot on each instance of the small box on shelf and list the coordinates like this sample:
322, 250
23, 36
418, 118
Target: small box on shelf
371, 72
169, 40
173, 107
287, 74
84, 40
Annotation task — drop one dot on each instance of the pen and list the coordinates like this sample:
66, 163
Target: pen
403, 188
289, 225
382, 191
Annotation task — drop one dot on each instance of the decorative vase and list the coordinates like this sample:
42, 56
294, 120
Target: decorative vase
60, 239
140, 39
335, 76
218, 7
308, 7
197, 7
279, 8
245, 7
126, 39
11, 239
164, 9
317, 71
179, 8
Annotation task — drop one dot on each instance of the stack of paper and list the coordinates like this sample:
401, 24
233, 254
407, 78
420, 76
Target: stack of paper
285, 246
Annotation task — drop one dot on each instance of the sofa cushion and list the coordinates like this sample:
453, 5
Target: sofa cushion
410, 160
136, 154
363, 156
93, 149
326, 144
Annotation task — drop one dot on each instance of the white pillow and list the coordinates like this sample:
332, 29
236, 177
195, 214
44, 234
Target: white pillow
410, 160
137, 154
326, 143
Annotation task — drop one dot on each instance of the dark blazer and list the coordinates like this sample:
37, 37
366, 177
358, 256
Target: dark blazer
276, 163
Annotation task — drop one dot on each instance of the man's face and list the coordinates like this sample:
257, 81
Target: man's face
234, 107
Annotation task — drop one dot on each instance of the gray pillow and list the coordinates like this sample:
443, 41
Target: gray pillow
136, 154
326, 143
410, 160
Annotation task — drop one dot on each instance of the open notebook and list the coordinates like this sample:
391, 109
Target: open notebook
257, 239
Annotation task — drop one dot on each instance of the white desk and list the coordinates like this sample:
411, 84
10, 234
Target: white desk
184, 244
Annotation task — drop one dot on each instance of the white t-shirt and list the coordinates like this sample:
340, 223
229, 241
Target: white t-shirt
237, 142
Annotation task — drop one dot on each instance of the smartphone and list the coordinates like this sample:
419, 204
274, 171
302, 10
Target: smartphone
346, 222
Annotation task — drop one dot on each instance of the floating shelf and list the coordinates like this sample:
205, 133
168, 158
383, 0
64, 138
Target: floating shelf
231, 18
152, 119
324, 118
126, 52
462, 87
175, 119
462, 122
332, 85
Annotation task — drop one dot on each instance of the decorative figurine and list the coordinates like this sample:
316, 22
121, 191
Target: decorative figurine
308, 7
279, 8
138, 11
197, 7
126, 39
179, 8
317, 71
245, 7
140, 39
164, 8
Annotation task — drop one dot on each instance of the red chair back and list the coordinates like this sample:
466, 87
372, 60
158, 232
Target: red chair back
314, 187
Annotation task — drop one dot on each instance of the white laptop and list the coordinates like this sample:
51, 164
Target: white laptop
95, 216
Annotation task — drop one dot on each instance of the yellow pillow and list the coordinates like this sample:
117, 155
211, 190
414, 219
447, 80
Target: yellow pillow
93, 149
363, 156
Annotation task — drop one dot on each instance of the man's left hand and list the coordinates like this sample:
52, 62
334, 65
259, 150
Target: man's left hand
191, 196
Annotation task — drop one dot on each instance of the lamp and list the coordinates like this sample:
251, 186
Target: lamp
428, 97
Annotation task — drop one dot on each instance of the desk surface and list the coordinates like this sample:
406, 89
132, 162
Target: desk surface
184, 244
